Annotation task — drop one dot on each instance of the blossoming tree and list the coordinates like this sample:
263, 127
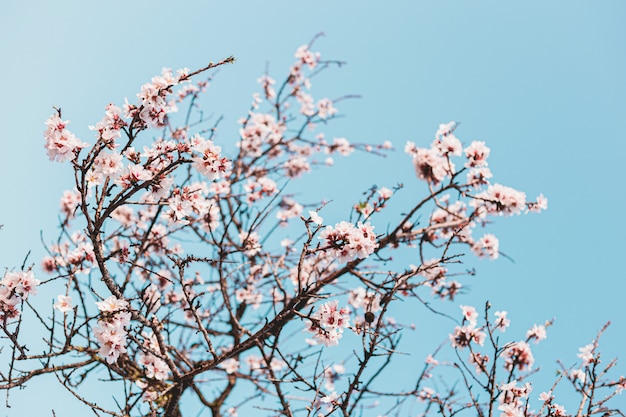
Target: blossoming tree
176, 277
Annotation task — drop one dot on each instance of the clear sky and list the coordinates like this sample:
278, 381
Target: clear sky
542, 82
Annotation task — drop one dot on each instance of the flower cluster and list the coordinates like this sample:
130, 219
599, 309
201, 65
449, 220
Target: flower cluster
518, 355
513, 399
111, 329
15, 287
554, 409
468, 333
109, 128
210, 162
61, 144
348, 242
154, 106
154, 366
328, 322
75, 255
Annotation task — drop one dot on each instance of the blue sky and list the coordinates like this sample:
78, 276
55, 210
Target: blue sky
541, 82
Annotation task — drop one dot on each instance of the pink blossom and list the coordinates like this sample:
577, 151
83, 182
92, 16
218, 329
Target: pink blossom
470, 314
445, 129
295, 167
332, 374
155, 367
501, 322
64, 303
502, 200
328, 322
249, 295
124, 214
477, 177
518, 355
448, 146
112, 339
27, 284
348, 242
342, 146
476, 153
511, 410
512, 394
257, 129
108, 165
464, 335
132, 175
385, 193
69, 202
109, 127
539, 205
558, 410
537, 332
112, 304
153, 98
250, 242
267, 82
210, 163
546, 396
330, 398
361, 298
307, 57
578, 374
220, 187
230, 365
430, 360
61, 144
429, 166
259, 188
586, 354
315, 217
479, 361
486, 246
325, 108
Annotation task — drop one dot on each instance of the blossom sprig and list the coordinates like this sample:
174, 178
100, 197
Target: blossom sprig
328, 322
111, 329
347, 242
16, 287
61, 144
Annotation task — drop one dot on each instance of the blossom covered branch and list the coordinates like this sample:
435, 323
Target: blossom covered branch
187, 267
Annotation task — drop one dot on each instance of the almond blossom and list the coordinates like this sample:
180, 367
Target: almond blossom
348, 242
64, 303
61, 144
328, 322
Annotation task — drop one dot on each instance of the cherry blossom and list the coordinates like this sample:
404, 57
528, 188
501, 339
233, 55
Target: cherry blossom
586, 354
348, 242
109, 128
476, 153
61, 144
502, 322
69, 202
537, 332
464, 335
316, 218
470, 314
64, 303
155, 367
486, 246
210, 162
328, 322
518, 355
